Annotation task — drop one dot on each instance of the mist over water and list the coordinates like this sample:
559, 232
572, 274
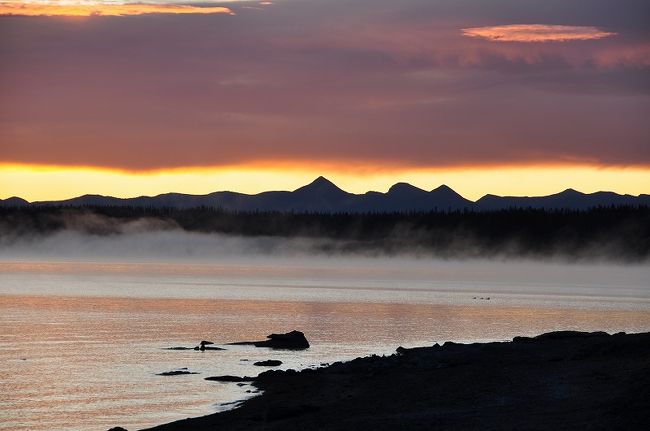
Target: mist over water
134, 243
614, 235
205, 255
217, 264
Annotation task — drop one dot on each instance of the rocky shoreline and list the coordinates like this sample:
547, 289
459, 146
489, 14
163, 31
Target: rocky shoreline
560, 381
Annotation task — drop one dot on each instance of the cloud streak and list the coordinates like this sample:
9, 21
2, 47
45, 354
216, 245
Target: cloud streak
536, 33
102, 9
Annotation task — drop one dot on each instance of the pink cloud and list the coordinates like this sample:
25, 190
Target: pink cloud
103, 9
531, 33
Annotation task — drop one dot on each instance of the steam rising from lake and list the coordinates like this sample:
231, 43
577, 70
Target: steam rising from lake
152, 245
281, 264
74, 235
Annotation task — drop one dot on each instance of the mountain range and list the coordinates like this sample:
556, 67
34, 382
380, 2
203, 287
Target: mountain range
324, 196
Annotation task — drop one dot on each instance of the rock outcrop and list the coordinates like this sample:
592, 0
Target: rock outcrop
559, 381
294, 340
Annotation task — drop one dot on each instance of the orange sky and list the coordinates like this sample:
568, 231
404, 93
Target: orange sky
53, 183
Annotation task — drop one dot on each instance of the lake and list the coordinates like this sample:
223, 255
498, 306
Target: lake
82, 340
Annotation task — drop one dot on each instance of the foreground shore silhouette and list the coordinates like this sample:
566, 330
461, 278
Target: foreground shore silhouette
560, 380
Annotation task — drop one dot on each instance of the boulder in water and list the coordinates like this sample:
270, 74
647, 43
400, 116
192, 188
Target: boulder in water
268, 363
294, 340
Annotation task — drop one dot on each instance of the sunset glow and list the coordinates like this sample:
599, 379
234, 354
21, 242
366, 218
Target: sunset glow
252, 97
36, 183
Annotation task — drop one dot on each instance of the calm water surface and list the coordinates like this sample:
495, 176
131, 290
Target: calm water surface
81, 342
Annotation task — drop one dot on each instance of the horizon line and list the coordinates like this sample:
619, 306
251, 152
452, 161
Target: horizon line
36, 184
324, 179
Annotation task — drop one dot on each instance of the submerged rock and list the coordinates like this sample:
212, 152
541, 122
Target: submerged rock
268, 363
229, 379
207, 345
176, 372
203, 348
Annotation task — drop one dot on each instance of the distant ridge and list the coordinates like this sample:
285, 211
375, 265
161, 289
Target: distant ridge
568, 199
322, 195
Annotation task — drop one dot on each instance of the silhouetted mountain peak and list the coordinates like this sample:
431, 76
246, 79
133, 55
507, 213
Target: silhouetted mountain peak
443, 188
404, 188
320, 185
570, 192
13, 201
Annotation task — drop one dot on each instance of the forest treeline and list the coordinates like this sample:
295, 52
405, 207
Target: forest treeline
619, 233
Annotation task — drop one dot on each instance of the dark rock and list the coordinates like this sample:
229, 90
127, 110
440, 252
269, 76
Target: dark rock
205, 345
561, 335
294, 340
268, 363
229, 379
203, 348
176, 372
118, 429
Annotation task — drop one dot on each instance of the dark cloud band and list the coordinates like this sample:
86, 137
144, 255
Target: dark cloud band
392, 83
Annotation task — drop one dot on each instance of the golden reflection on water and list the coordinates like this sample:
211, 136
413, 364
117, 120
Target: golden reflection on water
88, 363
131, 317
170, 268
84, 318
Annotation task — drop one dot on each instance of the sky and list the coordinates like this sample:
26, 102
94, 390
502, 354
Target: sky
512, 97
